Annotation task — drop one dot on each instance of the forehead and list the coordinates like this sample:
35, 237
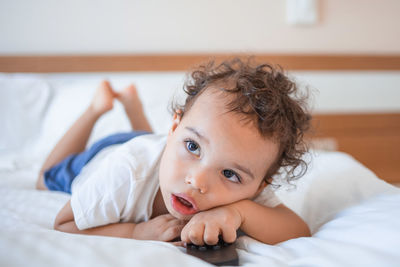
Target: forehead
230, 136
213, 103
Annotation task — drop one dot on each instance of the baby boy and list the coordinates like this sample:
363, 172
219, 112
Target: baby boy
209, 176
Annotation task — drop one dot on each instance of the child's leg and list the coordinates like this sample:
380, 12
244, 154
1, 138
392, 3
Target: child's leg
75, 139
134, 109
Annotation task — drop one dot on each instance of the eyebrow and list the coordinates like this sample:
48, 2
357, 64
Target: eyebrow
236, 165
244, 169
199, 135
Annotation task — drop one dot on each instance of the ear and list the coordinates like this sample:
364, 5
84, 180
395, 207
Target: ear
261, 187
176, 119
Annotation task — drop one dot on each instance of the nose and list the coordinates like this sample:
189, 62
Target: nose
199, 180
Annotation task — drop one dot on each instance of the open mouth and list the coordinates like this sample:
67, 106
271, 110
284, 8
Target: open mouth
183, 204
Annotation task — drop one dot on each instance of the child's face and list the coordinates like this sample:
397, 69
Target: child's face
212, 158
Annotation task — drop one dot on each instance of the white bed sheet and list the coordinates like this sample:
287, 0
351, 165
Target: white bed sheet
354, 216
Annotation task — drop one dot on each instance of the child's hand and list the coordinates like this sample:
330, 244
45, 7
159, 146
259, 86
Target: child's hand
163, 228
206, 226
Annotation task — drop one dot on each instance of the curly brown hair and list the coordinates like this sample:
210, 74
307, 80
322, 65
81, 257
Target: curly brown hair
265, 95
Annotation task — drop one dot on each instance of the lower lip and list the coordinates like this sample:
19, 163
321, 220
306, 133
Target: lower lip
180, 207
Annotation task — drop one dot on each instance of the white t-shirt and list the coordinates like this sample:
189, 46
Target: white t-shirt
120, 184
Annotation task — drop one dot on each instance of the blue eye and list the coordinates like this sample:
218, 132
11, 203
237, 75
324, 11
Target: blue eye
232, 176
192, 147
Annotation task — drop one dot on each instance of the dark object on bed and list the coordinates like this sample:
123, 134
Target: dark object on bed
220, 254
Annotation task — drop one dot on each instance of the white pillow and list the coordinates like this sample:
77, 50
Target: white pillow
23, 102
363, 235
334, 181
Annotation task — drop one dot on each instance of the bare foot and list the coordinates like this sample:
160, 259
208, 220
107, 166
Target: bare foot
103, 99
134, 108
130, 99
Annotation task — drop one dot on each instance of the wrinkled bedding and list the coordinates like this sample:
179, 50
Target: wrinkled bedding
354, 216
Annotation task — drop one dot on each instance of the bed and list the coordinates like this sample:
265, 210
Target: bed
354, 216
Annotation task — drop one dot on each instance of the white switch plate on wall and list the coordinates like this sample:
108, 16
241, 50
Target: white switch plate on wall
301, 12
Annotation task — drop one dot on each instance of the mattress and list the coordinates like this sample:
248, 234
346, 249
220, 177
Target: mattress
353, 215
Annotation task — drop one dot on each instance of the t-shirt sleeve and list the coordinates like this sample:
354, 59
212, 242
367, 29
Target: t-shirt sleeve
268, 198
101, 199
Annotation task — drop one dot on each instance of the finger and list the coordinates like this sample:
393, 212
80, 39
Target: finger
178, 243
175, 222
172, 232
211, 233
193, 234
196, 234
168, 217
164, 220
173, 219
185, 234
229, 235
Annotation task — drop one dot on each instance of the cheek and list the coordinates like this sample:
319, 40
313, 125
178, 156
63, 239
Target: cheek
245, 192
171, 166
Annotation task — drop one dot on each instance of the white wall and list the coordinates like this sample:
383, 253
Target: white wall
133, 26
352, 92
189, 26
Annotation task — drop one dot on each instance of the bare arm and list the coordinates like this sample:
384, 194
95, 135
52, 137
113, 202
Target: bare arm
164, 227
270, 225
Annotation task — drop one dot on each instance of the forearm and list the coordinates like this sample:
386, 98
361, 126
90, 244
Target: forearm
163, 227
270, 225
124, 230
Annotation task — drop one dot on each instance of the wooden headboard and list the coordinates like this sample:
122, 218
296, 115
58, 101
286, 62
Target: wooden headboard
373, 139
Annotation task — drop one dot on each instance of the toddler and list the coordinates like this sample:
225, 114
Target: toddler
209, 176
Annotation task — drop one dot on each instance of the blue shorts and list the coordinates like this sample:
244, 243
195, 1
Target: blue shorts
60, 176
